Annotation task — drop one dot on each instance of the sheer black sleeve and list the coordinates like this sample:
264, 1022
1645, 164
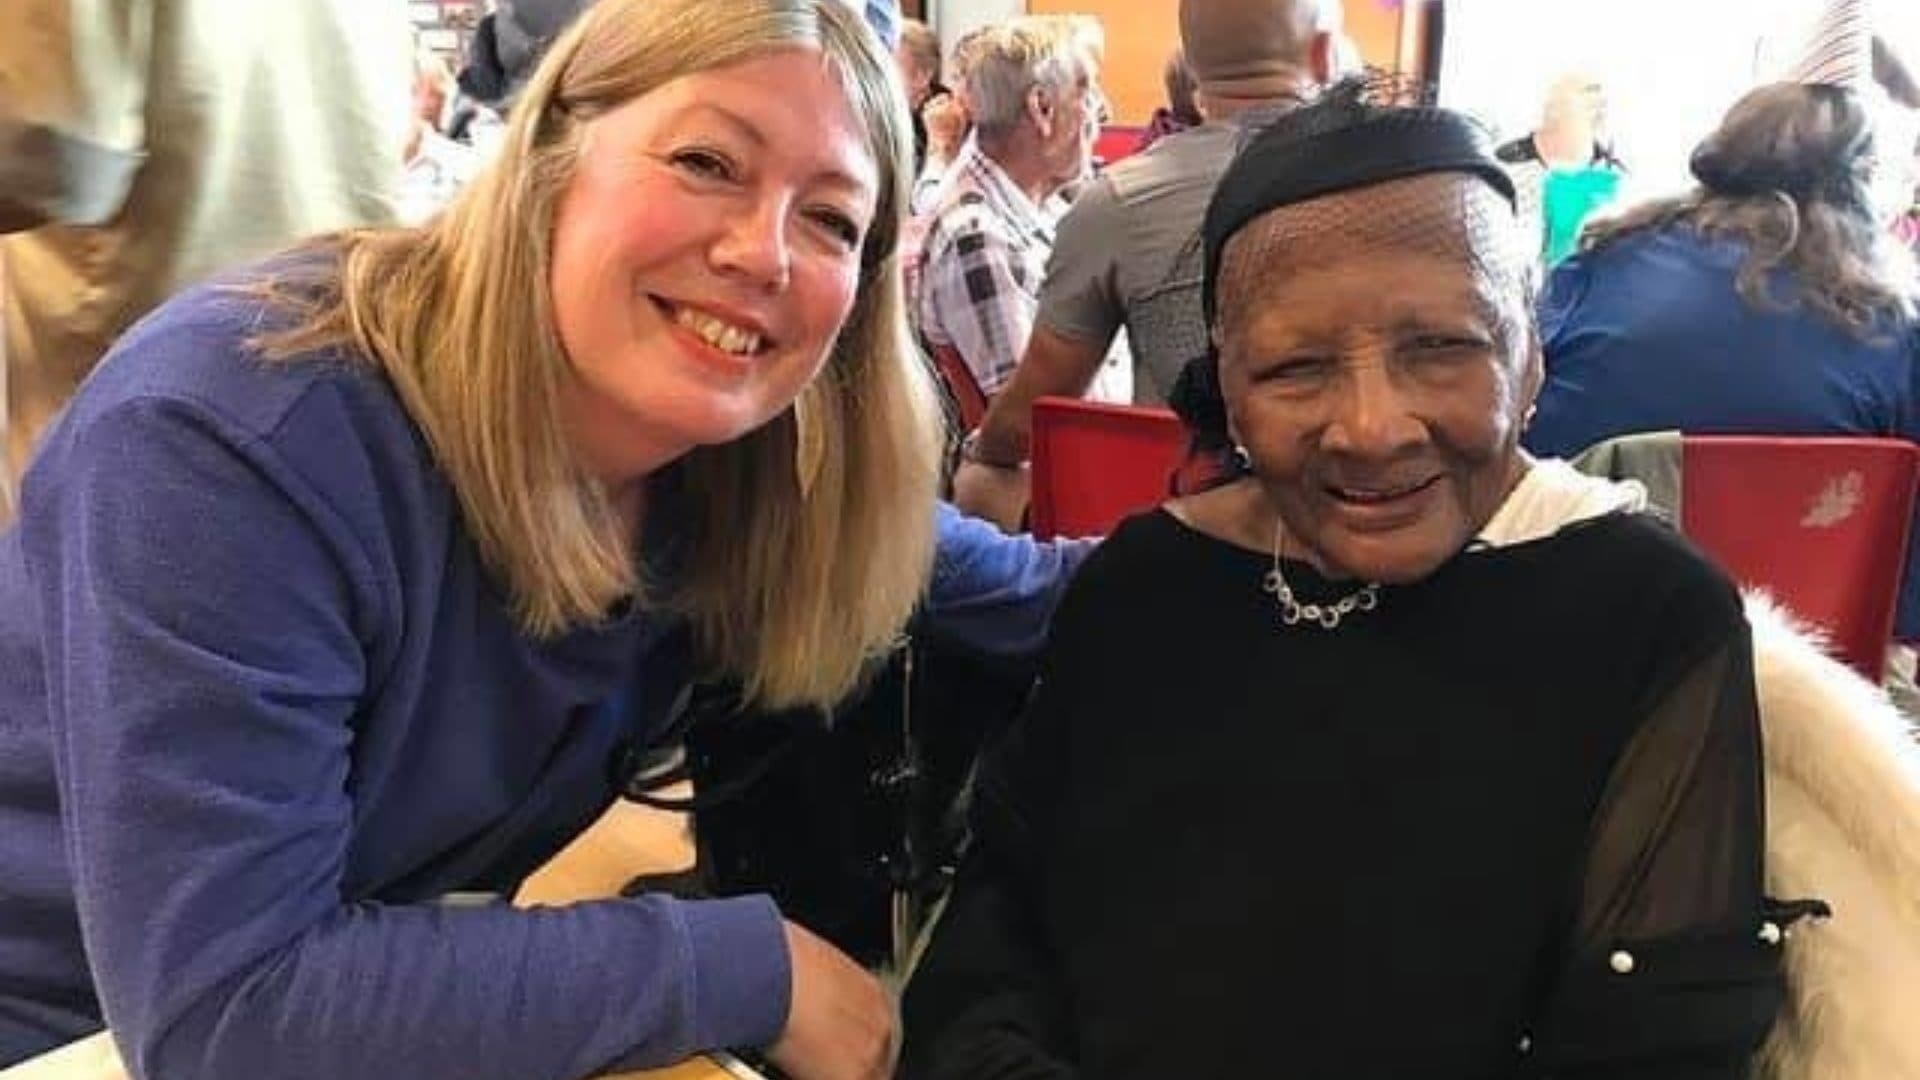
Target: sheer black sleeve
1673, 969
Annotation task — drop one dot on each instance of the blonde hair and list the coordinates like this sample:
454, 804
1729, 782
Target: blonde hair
922, 45
1003, 62
1085, 31
791, 584
1789, 175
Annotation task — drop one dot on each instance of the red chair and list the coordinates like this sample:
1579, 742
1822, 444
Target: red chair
1094, 464
968, 398
1116, 141
1820, 523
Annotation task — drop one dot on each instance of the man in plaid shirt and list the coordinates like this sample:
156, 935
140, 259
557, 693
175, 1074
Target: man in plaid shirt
1032, 87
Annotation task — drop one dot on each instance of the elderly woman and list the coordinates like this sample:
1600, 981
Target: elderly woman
340, 587
1773, 299
1399, 755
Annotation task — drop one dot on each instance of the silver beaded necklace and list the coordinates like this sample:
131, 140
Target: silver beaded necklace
1326, 616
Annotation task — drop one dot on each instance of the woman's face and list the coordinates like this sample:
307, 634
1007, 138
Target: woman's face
1377, 359
705, 254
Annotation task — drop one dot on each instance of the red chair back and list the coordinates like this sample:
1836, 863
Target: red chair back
1820, 523
1094, 464
967, 395
1116, 141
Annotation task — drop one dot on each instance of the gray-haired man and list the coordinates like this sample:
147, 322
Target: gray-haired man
1127, 254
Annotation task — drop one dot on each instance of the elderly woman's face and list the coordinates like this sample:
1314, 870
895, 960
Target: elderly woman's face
706, 254
1377, 361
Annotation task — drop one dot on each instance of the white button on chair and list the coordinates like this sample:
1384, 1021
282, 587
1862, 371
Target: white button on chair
1621, 962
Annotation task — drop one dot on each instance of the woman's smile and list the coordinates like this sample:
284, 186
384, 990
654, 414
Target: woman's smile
706, 254
1381, 507
725, 347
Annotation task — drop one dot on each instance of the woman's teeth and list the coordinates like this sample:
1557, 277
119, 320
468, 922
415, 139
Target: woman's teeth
1376, 495
718, 333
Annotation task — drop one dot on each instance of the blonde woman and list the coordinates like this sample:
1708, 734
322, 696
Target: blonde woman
338, 588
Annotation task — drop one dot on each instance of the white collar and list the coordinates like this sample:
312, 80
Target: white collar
1553, 495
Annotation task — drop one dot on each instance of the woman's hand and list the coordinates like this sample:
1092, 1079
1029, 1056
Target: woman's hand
841, 1025
947, 126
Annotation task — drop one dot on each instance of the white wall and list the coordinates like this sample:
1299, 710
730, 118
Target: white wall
1671, 67
952, 18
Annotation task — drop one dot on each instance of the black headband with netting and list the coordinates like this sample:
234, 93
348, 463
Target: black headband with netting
1351, 136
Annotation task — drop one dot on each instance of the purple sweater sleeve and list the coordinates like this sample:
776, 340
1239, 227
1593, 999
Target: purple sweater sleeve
204, 623
996, 592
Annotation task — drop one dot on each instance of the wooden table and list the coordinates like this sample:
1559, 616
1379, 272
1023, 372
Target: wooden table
726, 1068
698, 1069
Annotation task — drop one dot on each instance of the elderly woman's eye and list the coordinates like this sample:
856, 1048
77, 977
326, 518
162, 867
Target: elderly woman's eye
1296, 370
1444, 348
1436, 343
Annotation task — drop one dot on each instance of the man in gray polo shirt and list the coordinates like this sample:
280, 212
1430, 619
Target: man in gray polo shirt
1128, 252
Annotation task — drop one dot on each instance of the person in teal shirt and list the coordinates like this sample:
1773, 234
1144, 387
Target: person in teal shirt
1564, 170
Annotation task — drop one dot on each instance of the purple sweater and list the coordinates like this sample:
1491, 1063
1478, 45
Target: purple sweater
260, 706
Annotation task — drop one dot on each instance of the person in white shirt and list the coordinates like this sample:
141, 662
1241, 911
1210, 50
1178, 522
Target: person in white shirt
146, 144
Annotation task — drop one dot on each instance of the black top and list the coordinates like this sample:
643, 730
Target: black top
1224, 847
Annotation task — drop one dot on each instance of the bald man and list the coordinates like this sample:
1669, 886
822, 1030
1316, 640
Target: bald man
1126, 255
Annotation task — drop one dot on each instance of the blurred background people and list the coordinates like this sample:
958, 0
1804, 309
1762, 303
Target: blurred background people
1894, 73
434, 89
505, 46
1772, 299
1564, 169
148, 143
949, 127
437, 166
919, 57
508, 42
1127, 255
1179, 112
1033, 93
